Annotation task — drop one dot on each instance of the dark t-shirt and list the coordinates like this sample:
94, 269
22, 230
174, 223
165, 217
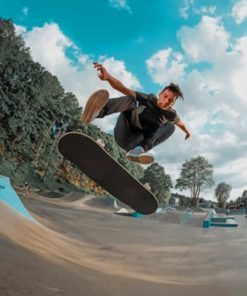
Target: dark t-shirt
150, 115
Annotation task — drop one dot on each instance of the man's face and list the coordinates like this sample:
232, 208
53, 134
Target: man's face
166, 99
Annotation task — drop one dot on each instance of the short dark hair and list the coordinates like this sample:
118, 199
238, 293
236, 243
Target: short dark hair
174, 88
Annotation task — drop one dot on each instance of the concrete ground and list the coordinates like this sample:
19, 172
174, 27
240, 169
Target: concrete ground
80, 247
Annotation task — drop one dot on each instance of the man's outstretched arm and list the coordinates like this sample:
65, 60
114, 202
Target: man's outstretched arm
181, 125
115, 83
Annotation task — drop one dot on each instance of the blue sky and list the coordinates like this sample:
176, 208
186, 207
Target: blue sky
102, 28
132, 32
201, 45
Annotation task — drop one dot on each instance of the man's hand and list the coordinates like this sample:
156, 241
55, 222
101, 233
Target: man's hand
115, 83
181, 125
103, 74
187, 136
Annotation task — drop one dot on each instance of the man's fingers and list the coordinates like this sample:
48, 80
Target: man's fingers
101, 69
98, 68
96, 65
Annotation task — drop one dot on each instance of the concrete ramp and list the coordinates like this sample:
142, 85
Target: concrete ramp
11, 199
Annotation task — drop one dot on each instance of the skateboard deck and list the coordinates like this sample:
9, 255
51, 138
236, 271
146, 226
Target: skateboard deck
92, 159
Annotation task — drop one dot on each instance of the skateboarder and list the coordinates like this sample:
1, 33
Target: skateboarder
145, 120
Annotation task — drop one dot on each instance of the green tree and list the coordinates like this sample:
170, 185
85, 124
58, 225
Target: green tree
196, 175
222, 193
158, 181
242, 199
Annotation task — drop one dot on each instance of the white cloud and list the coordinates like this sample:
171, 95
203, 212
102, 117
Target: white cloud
187, 4
234, 171
120, 4
240, 73
48, 45
208, 10
165, 66
239, 11
117, 69
20, 29
206, 41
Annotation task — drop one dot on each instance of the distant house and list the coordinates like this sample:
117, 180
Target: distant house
205, 203
174, 201
178, 200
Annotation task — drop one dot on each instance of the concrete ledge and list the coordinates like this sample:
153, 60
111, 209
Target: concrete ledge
228, 223
213, 220
221, 219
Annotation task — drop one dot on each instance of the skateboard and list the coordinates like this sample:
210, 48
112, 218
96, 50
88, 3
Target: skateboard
95, 162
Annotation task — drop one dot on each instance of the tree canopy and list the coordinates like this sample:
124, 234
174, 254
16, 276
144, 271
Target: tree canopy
158, 181
196, 175
222, 193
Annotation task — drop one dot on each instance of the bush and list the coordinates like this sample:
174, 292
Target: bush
6, 168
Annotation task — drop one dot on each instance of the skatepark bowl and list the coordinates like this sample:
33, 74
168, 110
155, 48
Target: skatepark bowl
77, 245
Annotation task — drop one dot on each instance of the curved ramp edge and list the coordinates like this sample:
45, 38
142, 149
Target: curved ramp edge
11, 199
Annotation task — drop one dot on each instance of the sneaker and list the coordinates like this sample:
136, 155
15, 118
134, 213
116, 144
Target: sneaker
95, 104
139, 155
